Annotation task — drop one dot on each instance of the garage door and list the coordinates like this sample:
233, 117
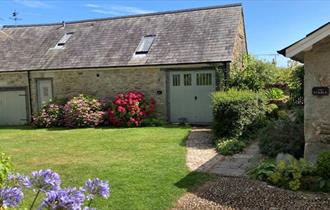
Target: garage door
13, 107
190, 98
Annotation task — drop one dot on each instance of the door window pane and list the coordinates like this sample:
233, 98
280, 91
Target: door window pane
204, 79
176, 79
45, 91
187, 79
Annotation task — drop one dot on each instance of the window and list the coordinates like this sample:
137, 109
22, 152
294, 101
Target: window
145, 44
45, 91
60, 44
187, 79
176, 79
204, 79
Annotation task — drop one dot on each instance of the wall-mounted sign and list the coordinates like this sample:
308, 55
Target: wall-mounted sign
320, 91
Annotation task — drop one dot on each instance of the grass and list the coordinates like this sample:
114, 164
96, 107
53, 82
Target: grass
145, 166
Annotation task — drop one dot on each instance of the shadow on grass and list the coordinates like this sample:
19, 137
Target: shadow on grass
194, 179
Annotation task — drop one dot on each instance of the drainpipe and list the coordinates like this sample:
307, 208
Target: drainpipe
30, 95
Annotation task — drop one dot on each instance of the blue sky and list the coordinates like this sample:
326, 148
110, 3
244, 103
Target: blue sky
270, 25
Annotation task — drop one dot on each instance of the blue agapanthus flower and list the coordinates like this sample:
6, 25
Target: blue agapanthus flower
10, 197
69, 198
88, 208
96, 187
19, 180
45, 180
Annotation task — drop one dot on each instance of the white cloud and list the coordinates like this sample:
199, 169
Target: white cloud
116, 9
33, 3
92, 5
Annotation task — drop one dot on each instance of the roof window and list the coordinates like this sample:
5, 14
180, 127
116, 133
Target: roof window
145, 44
61, 44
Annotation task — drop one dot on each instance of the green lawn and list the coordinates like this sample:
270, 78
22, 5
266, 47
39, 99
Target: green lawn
145, 166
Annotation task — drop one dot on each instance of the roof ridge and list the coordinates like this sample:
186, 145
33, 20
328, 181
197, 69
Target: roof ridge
129, 16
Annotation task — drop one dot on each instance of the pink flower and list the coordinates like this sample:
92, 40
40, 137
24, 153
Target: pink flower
121, 109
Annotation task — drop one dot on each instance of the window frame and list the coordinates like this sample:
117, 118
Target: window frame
142, 49
176, 80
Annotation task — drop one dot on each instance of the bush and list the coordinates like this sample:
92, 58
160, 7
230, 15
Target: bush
296, 86
230, 146
5, 167
323, 165
51, 115
254, 74
83, 111
275, 94
130, 109
289, 172
234, 111
152, 122
283, 136
263, 170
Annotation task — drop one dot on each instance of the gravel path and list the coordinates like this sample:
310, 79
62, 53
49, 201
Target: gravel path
242, 193
232, 190
202, 156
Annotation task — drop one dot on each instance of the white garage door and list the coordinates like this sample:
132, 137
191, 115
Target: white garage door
190, 98
13, 107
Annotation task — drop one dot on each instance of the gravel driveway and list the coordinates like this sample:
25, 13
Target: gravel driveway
242, 193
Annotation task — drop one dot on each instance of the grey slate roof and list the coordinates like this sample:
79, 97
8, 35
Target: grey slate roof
187, 36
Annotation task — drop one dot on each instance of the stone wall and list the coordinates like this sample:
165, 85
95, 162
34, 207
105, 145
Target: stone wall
317, 108
104, 83
240, 44
17, 79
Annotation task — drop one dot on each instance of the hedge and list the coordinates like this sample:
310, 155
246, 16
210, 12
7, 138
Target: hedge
235, 111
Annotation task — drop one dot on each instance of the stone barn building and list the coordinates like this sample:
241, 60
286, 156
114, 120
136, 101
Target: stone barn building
314, 52
177, 57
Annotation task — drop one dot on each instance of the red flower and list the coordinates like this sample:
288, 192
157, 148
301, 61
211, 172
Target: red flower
130, 109
121, 109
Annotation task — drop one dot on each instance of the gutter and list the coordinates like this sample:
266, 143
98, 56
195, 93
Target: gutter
118, 67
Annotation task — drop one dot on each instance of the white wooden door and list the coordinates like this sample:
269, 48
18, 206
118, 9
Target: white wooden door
45, 91
13, 107
190, 98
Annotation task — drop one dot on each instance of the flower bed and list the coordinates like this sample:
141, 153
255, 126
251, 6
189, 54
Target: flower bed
127, 109
130, 109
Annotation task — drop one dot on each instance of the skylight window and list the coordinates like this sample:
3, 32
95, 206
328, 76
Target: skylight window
145, 44
61, 44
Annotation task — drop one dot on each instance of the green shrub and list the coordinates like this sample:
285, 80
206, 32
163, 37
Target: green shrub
254, 74
323, 164
263, 170
275, 93
296, 85
283, 136
289, 172
235, 110
152, 122
230, 146
5, 167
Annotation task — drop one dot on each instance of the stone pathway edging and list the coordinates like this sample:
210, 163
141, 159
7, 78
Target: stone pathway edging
202, 156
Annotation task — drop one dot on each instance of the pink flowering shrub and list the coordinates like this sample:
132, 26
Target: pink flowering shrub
51, 115
130, 109
83, 111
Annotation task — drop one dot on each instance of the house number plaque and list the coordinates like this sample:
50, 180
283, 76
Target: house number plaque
320, 91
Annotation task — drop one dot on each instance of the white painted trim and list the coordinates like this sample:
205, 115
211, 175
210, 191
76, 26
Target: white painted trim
308, 42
